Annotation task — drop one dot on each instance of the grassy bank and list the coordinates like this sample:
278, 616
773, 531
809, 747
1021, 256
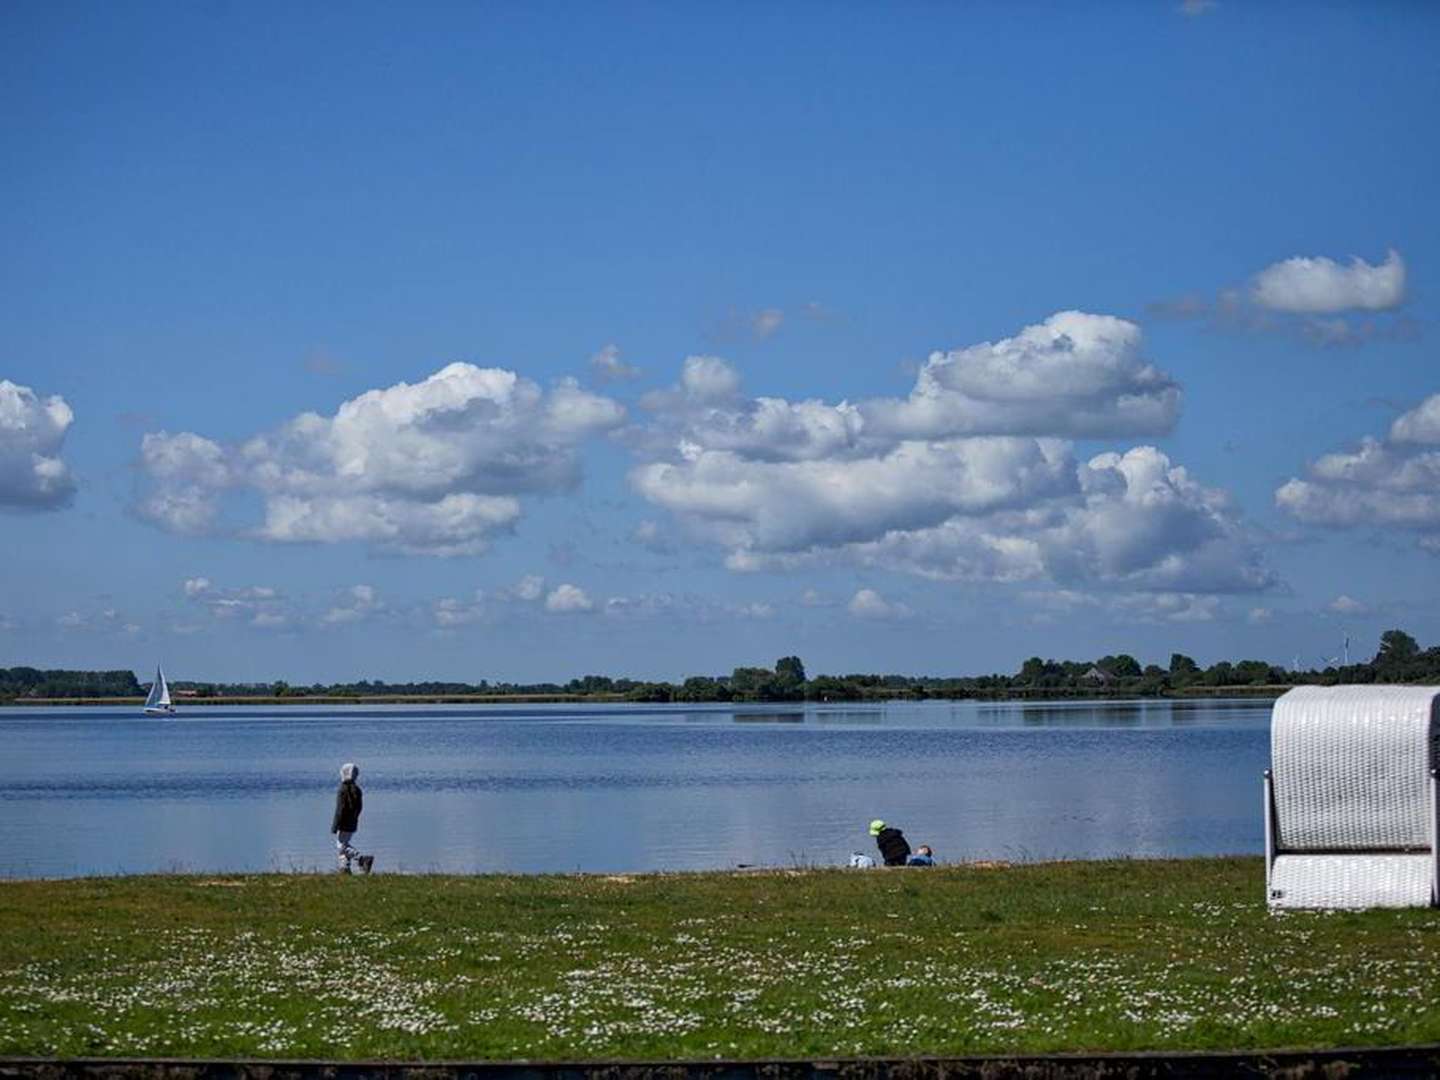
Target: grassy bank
1068, 956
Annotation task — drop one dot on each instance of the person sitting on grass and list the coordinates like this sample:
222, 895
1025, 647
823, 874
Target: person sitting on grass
894, 849
923, 857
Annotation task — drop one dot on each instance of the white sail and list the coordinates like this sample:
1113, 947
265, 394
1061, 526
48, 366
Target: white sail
159, 696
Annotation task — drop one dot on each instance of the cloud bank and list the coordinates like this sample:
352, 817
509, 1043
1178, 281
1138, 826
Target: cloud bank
970, 477
32, 431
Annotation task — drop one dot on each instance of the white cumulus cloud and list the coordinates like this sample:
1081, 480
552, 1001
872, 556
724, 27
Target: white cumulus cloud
568, 599
435, 468
869, 604
1389, 483
1075, 374
1315, 285
1312, 299
32, 432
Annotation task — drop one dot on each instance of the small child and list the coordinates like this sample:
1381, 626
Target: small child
349, 801
923, 857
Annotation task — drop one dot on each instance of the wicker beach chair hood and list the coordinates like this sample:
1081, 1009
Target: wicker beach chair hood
1350, 798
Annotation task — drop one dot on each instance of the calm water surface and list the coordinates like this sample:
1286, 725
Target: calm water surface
561, 788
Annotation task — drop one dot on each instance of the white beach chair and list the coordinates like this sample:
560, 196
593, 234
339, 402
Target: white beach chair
1351, 798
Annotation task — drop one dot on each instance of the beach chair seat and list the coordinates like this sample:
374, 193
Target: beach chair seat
1350, 798
1338, 880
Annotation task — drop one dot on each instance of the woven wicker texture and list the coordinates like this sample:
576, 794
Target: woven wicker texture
1352, 767
1350, 881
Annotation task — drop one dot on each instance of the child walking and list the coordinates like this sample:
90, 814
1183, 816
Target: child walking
349, 801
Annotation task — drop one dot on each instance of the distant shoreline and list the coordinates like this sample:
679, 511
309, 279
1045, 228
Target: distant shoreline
1048, 694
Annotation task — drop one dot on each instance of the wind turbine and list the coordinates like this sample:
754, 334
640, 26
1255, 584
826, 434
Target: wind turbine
1343, 654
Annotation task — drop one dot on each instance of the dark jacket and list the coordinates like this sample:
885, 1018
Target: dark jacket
893, 847
348, 801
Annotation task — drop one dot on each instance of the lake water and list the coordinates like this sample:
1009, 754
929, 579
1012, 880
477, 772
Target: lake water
620, 788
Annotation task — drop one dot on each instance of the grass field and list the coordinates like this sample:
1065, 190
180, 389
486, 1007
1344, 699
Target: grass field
1041, 957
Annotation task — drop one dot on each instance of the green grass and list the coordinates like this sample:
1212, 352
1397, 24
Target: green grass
1044, 957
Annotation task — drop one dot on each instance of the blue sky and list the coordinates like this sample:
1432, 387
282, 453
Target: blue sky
501, 342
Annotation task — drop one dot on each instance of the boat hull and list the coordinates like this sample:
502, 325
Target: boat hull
160, 712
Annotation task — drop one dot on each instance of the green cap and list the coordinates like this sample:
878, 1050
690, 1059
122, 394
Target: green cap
876, 826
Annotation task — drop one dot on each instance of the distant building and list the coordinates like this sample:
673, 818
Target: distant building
1100, 675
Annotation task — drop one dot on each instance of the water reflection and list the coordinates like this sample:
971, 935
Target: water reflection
538, 788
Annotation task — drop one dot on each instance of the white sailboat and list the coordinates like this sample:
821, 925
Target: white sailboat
158, 701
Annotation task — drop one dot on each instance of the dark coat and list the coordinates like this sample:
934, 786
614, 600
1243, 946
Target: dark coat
893, 847
348, 802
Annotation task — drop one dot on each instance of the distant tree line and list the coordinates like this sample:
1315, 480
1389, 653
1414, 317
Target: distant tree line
1399, 660
29, 682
